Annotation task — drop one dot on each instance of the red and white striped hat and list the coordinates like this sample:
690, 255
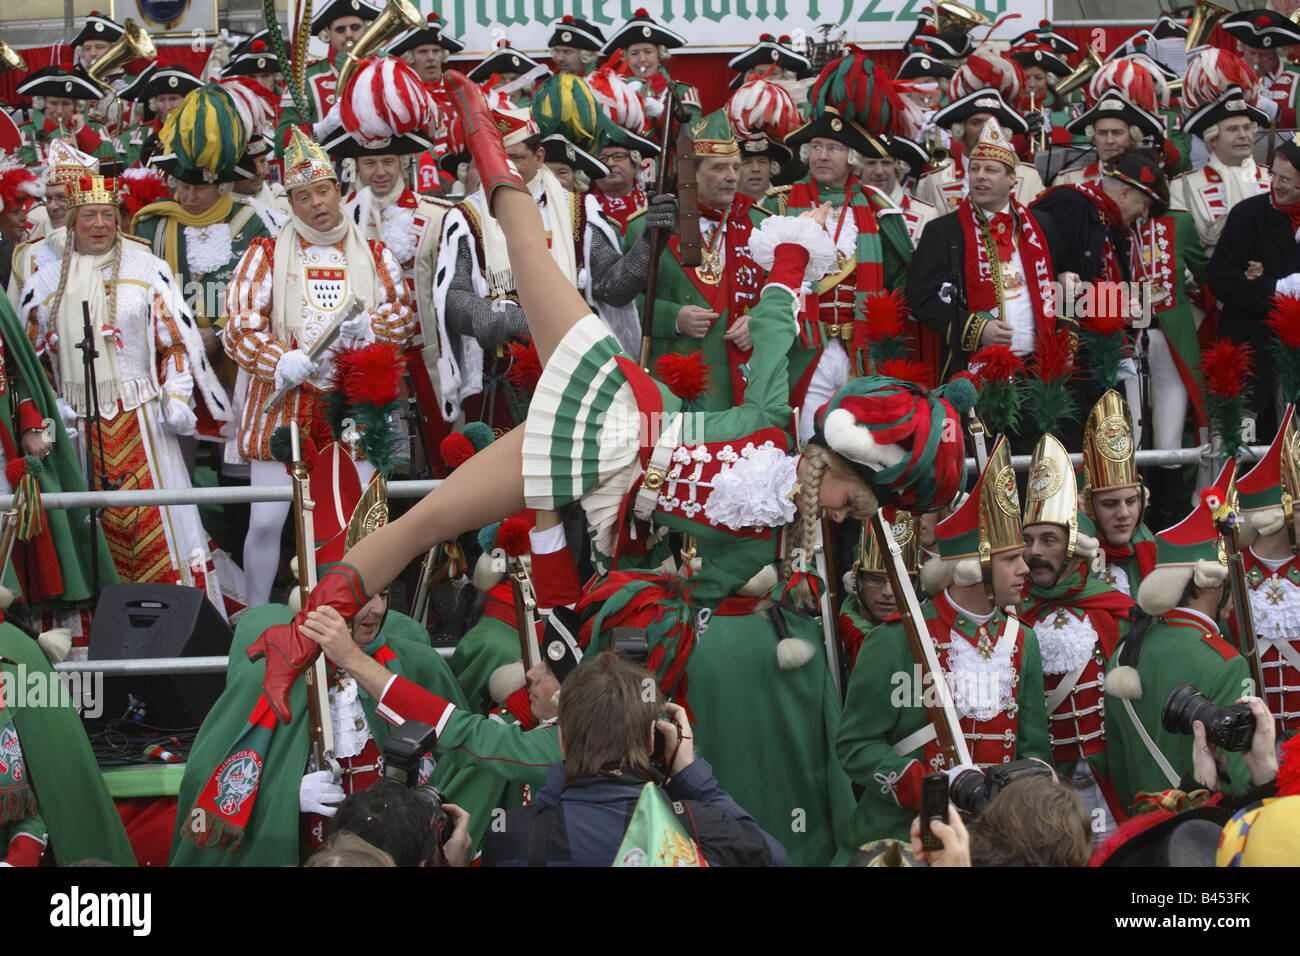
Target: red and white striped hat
985, 70
763, 108
385, 98
1211, 73
1140, 85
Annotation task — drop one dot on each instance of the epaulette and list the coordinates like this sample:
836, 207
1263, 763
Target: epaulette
760, 210
636, 215
778, 190
144, 242
1217, 642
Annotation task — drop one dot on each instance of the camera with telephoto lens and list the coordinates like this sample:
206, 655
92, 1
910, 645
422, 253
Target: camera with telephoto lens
404, 752
972, 792
1228, 728
631, 641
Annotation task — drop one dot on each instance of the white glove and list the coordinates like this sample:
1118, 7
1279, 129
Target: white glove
1270, 108
332, 121
1289, 285
355, 327
67, 413
654, 108
294, 368
317, 791
177, 416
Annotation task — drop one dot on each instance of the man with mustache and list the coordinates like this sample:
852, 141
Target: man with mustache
1078, 619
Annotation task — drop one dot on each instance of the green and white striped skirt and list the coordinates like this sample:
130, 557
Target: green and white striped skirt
584, 430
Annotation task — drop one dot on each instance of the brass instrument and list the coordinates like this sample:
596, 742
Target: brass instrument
398, 17
10, 60
953, 17
133, 44
1081, 74
1205, 16
934, 146
1040, 141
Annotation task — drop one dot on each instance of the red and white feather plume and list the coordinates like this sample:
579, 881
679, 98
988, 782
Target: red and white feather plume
255, 104
984, 70
386, 98
141, 186
622, 102
763, 107
17, 185
1211, 73
1140, 85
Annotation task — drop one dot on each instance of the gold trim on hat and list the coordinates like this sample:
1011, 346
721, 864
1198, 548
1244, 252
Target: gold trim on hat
1108, 447
370, 513
305, 162
102, 191
999, 505
1050, 493
905, 528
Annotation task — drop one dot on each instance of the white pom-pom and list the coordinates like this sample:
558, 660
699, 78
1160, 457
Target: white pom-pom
6, 598
1125, 683
505, 680
1161, 590
293, 567
55, 644
294, 600
778, 230
760, 583
794, 652
856, 443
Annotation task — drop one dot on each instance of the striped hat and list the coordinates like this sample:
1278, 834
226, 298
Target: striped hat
204, 139
994, 145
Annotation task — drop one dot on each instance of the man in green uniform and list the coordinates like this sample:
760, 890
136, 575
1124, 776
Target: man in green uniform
990, 660
869, 598
645, 44
59, 101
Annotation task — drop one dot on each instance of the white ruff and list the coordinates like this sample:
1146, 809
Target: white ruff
397, 230
1276, 609
1117, 577
1065, 647
981, 686
207, 248
350, 735
755, 491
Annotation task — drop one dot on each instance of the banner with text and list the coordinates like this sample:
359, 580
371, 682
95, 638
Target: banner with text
715, 24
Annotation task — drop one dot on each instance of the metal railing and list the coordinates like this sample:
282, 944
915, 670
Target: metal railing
153, 666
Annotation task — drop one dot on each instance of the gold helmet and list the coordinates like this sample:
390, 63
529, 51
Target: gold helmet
906, 529
1050, 494
1108, 449
370, 513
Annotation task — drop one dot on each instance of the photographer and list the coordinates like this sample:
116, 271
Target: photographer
1260, 759
398, 821
607, 729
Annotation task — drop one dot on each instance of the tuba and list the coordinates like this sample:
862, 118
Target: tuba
133, 44
953, 17
1089, 65
1205, 16
10, 60
398, 17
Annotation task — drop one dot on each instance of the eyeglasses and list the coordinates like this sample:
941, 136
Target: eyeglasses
616, 157
832, 149
1285, 180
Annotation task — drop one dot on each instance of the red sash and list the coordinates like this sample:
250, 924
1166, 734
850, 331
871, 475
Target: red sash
1034, 259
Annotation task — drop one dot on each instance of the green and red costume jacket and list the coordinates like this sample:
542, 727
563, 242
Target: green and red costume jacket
885, 742
1275, 607
38, 131
1168, 249
1126, 566
1183, 645
657, 82
855, 625
245, 812
730, 289
878, 263
1078, 624
52, 795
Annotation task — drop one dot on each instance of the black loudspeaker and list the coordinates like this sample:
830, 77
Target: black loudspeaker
159, 620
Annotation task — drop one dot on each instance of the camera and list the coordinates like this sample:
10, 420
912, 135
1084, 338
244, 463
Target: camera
972, 792
408, 760
1228, 728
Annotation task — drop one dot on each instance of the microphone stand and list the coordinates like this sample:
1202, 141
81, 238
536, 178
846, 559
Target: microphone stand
88, 355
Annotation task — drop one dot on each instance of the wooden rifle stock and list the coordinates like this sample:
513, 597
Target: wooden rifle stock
1229, 523
935, 695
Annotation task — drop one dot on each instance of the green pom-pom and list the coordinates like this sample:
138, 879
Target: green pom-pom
959, 393
479, 434
487, 535
282, 445
35, 467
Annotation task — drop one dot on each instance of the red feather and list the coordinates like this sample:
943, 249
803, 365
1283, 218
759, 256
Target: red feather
996, 363
1104, 324
883, 315
1284, 319
902, 368
456, 449
371, 375
14, 472
1288, 773
1224, 367
525, 365
142, 187
512, 536
1053, 355
686, 376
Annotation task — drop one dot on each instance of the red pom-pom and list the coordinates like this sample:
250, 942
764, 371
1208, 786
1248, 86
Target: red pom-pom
310, 453
1288, 770
1031, 38
1261, 21
929, 30
1284, 319
567, 18
512, 536
996, 363
1224, 367
686, 376
1045, 24
525, 365
456, 449
883, 316
765, 38
914, 372
257, 46
433, 17
783, 38
14, 471
641, 14
372, 375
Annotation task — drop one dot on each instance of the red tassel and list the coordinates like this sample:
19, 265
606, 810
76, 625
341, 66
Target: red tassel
1284, 319
883, 316
1053, 356
371, 375
512, 536
997, 363
1224, 367
14, 471
1288, 773
456, 449
525, 365
686, 376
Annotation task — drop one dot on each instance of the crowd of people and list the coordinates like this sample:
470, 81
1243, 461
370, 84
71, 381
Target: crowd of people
701, 388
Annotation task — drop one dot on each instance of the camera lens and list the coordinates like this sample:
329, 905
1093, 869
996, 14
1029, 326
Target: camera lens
1184, 705
968, 793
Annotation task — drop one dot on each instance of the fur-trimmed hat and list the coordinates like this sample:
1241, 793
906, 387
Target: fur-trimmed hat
1267, 493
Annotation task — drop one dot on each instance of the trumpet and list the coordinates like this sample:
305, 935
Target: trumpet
939, 154
953, 17
1205, 16
1080, 75
398, 17
133, 44
10, 60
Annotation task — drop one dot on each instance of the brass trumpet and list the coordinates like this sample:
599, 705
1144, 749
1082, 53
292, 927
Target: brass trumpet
133, 44
953, 17
1081, 74
1204, 18
398, 17
10, 60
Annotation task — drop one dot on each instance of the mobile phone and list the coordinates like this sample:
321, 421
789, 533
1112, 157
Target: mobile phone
934, 806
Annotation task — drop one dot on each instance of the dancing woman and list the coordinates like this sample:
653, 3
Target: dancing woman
601, 431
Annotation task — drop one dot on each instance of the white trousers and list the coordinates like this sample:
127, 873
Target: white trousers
832, 372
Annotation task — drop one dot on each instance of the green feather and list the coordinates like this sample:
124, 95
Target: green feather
999, 405
1286, 362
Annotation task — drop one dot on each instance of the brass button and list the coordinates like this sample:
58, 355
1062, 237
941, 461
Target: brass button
654, 480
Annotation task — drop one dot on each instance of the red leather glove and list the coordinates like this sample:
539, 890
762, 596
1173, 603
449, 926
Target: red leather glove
288, 651
484, 139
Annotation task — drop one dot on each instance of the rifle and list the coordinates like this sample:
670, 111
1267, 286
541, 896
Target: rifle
830, 602
688, 211
1228, 521
939, 707
320, 728
525, 613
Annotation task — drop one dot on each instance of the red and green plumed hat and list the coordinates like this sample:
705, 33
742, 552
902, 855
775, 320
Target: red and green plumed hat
1267, 493
904, 440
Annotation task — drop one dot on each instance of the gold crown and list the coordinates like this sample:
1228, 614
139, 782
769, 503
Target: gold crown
87, 190
1050, 494
905, 527
305, 162
66, 164
1108, 448
370, 513
999, 506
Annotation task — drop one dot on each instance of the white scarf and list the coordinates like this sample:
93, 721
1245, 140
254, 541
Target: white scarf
1239, 182
84, 283
379, 216
288, 288
496, 260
